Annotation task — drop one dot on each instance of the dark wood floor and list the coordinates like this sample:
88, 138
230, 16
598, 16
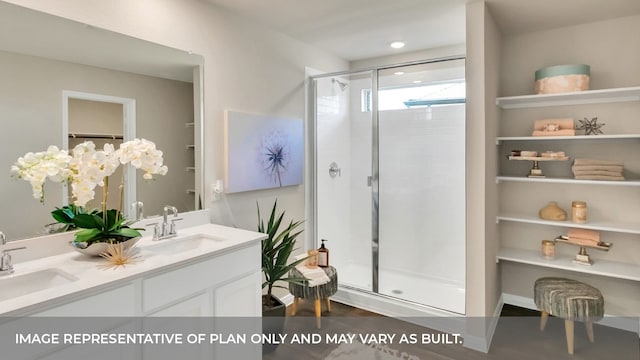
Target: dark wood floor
517, 336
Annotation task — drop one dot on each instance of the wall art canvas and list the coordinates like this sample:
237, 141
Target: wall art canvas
262, 151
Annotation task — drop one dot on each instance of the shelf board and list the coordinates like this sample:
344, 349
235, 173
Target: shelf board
568, 181
591, 225
571, 98
191, 168
614, 269
191, 191
575, 137
538, 158
190, 147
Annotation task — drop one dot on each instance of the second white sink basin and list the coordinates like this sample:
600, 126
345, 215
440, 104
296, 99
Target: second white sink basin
182, 244
22, 284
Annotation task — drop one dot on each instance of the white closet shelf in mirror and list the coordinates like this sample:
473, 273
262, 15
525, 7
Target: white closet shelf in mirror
189, 124
614, 269
572, 98
191, 191
592, 225
576, 137
191, 168
190, 147
633, 182
95, 136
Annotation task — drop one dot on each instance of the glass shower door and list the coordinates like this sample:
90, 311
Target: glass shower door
421, 150
343, 158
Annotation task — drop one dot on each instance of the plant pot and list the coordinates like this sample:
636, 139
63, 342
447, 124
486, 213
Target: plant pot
273, 319
98, 248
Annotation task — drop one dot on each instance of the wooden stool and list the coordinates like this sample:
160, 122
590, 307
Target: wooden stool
318, 293
570, 300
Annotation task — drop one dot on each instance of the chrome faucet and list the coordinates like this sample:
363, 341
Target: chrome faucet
6, 267
168, 228
136, 209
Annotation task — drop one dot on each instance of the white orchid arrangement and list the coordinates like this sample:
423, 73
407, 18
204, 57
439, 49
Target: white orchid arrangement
85, 168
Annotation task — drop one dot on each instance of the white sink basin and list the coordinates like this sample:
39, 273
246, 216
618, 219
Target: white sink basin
22, 284
182, 244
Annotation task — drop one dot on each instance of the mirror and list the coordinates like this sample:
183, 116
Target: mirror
43, 59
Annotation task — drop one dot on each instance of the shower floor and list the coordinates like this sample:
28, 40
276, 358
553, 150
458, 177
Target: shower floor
441, 294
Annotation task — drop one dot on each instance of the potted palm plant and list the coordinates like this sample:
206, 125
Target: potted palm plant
277, 247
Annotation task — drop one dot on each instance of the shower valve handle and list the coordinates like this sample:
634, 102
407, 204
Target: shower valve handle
334, 170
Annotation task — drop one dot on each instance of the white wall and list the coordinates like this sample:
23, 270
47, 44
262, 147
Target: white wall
246, 68
483, 49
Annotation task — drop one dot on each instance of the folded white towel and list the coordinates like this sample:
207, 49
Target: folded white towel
595, 162
315, 276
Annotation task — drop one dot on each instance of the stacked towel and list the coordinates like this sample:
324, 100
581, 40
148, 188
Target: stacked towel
315, 276
554, 127
584, 236
593, 169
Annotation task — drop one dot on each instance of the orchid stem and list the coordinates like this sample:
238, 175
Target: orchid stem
105, 191
121, 200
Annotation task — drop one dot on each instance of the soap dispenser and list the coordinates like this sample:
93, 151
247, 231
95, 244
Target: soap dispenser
323, 255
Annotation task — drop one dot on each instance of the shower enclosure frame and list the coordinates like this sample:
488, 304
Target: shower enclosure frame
375, 185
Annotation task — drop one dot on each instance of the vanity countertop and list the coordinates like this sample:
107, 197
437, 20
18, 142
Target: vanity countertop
91, 278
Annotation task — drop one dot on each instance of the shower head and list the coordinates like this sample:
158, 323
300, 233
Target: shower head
342, 85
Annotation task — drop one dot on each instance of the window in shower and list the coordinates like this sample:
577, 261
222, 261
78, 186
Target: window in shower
413, 93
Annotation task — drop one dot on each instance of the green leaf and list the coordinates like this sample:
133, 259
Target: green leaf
61, 216
127, 232
277, 248
87, 234
85, 221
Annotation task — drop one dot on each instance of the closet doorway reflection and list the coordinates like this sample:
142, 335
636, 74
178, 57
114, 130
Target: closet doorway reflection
101, 119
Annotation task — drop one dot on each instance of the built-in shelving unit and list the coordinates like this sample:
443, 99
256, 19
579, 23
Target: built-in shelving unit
191, 169
608, 268
591, 225
614, 269
572, 98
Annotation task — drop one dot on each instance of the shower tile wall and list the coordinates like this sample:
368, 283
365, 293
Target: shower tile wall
422, 192
333, 139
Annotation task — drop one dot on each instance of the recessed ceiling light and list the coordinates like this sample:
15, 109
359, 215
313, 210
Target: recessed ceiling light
397, 44
398, 73
417, 81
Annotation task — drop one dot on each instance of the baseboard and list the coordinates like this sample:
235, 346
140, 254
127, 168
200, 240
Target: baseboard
480, 343
618, 322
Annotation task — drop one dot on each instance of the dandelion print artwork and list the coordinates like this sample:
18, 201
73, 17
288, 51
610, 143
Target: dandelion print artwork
273, 155
262, 152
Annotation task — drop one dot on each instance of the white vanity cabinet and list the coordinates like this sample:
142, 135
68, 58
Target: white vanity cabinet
172, 287
205, 288
223, 284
